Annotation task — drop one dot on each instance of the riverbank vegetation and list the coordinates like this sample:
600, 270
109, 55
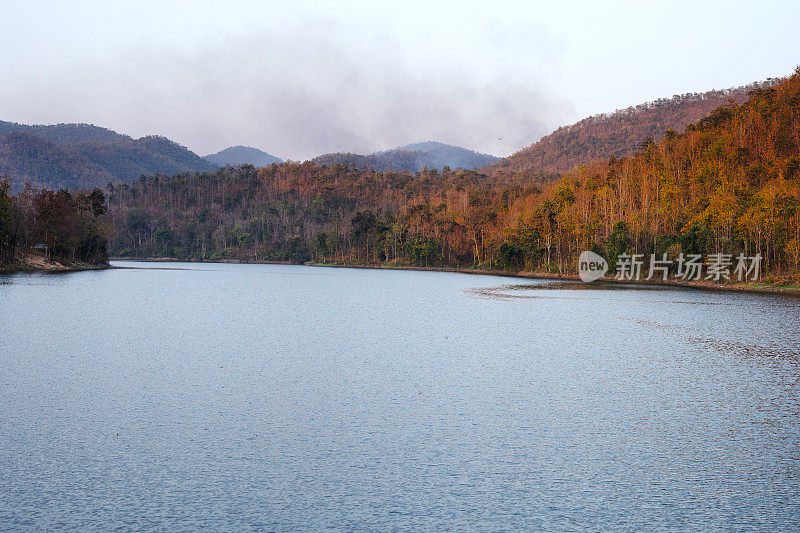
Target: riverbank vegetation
42, 229
730, 183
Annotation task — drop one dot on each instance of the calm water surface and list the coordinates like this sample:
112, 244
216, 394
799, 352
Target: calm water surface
266, 397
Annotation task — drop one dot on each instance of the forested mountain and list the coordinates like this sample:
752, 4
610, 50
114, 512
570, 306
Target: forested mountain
66, 133
147, 155
616, 134
412, 158
242, 155
25, 157
86, 156
730, 183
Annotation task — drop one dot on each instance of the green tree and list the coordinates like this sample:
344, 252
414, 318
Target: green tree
618, 243
510, 257
6, 237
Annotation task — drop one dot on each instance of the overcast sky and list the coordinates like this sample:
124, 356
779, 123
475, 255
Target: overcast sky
298, 79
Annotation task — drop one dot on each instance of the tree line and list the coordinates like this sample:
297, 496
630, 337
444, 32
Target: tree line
729, 183
61, 225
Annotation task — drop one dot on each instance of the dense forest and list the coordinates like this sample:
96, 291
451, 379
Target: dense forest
730, 183
617, 134
59, 226
294, 212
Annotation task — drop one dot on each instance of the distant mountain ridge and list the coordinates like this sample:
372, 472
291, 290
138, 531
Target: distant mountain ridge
26, 157
412, 157
87, 156
239, 155
66, 133
619, 133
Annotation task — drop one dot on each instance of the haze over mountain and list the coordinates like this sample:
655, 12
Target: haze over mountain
87, 156
239, 155
412, 157
619, 133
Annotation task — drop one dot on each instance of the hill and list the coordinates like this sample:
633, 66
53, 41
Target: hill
617, 134
412, 158
66, 133
26, 157
729, 184
87, 156
128, 160
239, 155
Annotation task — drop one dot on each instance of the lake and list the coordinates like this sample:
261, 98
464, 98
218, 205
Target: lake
283, 398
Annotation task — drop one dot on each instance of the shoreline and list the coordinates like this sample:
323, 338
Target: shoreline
17, 268
701, 285
36, 263
759, 287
